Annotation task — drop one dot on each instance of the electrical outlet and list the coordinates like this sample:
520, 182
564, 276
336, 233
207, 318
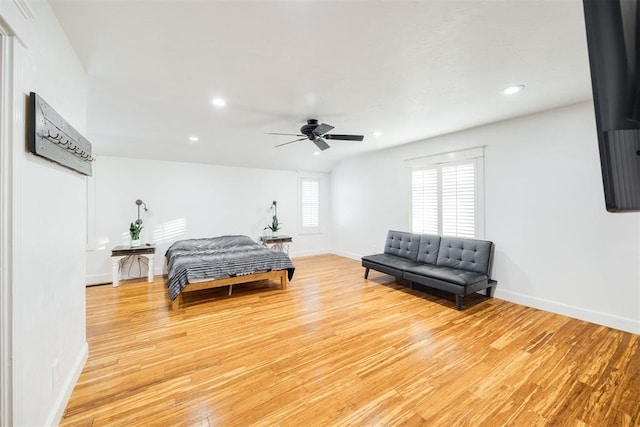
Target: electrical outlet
55, 376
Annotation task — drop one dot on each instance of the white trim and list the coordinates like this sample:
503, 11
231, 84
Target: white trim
63, 397
25, 9
298, 254
6, 228
351, 255
599, 318
104, 278
315, 176
480, 195
473, 155
572, 311
302, 228
91, 213
13, 19
99, 279
452, 156
591, 316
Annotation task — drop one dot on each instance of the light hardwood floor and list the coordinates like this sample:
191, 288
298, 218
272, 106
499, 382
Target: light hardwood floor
336, 349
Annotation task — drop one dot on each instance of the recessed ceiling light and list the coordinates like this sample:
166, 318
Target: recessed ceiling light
377, 133
316, 153
194, 139
219, 102
512, 90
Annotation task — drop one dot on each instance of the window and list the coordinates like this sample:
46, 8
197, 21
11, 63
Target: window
310, 201
424, 201
445, 198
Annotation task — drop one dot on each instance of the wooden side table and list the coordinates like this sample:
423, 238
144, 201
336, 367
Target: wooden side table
121, 252
279, 243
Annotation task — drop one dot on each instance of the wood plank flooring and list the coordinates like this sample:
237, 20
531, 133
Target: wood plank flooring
335, 349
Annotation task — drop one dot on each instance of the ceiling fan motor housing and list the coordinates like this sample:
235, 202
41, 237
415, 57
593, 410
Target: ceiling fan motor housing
307, 130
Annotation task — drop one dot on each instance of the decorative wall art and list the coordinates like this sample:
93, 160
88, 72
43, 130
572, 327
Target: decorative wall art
51, 137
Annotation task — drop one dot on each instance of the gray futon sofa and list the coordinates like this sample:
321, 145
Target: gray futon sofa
454, 264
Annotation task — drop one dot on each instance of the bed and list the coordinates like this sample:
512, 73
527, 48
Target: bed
196, 264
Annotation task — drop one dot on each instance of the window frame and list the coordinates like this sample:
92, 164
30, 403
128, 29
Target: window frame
441, 160
302, 229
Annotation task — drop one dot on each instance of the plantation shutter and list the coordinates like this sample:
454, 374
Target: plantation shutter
458, 200
443, 199
424, 200
310, 203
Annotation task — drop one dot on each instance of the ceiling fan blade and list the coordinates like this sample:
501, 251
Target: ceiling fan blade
291, 142
322, 129
345, 137
289, 134
321, 144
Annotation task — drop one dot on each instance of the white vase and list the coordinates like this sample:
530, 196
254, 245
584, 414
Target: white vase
135, 243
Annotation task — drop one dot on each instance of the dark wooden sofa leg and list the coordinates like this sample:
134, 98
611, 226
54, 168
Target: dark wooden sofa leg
366, 273
491, 288
458, 302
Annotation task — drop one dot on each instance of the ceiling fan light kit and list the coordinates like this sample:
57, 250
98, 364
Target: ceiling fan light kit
317, 133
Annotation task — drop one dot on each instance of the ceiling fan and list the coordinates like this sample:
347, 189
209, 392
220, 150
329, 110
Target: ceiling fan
317, 133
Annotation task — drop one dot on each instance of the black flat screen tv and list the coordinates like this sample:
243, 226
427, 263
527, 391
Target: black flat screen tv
613, 38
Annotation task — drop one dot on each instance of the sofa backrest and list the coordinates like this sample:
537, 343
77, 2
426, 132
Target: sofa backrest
429, 246
402, 244
466, 254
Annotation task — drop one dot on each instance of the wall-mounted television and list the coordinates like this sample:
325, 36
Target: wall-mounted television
613, 38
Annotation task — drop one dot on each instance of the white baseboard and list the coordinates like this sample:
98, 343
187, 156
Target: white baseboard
599, 318
296, 254
67, 388
101, 278
346, 254
96, 279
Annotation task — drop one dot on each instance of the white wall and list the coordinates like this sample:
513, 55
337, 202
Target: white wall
556, 246
48, 226
187, 200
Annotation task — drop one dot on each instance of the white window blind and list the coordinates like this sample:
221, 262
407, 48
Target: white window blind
310, 194
458, 200
424, 201
444, 199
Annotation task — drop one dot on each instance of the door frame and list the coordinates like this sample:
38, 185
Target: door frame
6, 223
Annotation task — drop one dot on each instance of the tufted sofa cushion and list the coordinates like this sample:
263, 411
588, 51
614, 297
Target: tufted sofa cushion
467, 254
448, 274
428, 250
402, 244
392, 261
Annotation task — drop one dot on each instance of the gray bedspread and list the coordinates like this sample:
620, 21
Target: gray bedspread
197, 260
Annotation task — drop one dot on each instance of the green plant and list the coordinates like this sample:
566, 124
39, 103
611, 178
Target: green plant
134, 230
275, 224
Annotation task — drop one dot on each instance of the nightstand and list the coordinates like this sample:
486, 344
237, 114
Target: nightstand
120, 253
279, 243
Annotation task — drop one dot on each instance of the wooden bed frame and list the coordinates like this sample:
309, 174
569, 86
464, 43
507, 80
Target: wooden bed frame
276, 275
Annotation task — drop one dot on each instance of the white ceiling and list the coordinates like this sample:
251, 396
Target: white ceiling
409, 69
